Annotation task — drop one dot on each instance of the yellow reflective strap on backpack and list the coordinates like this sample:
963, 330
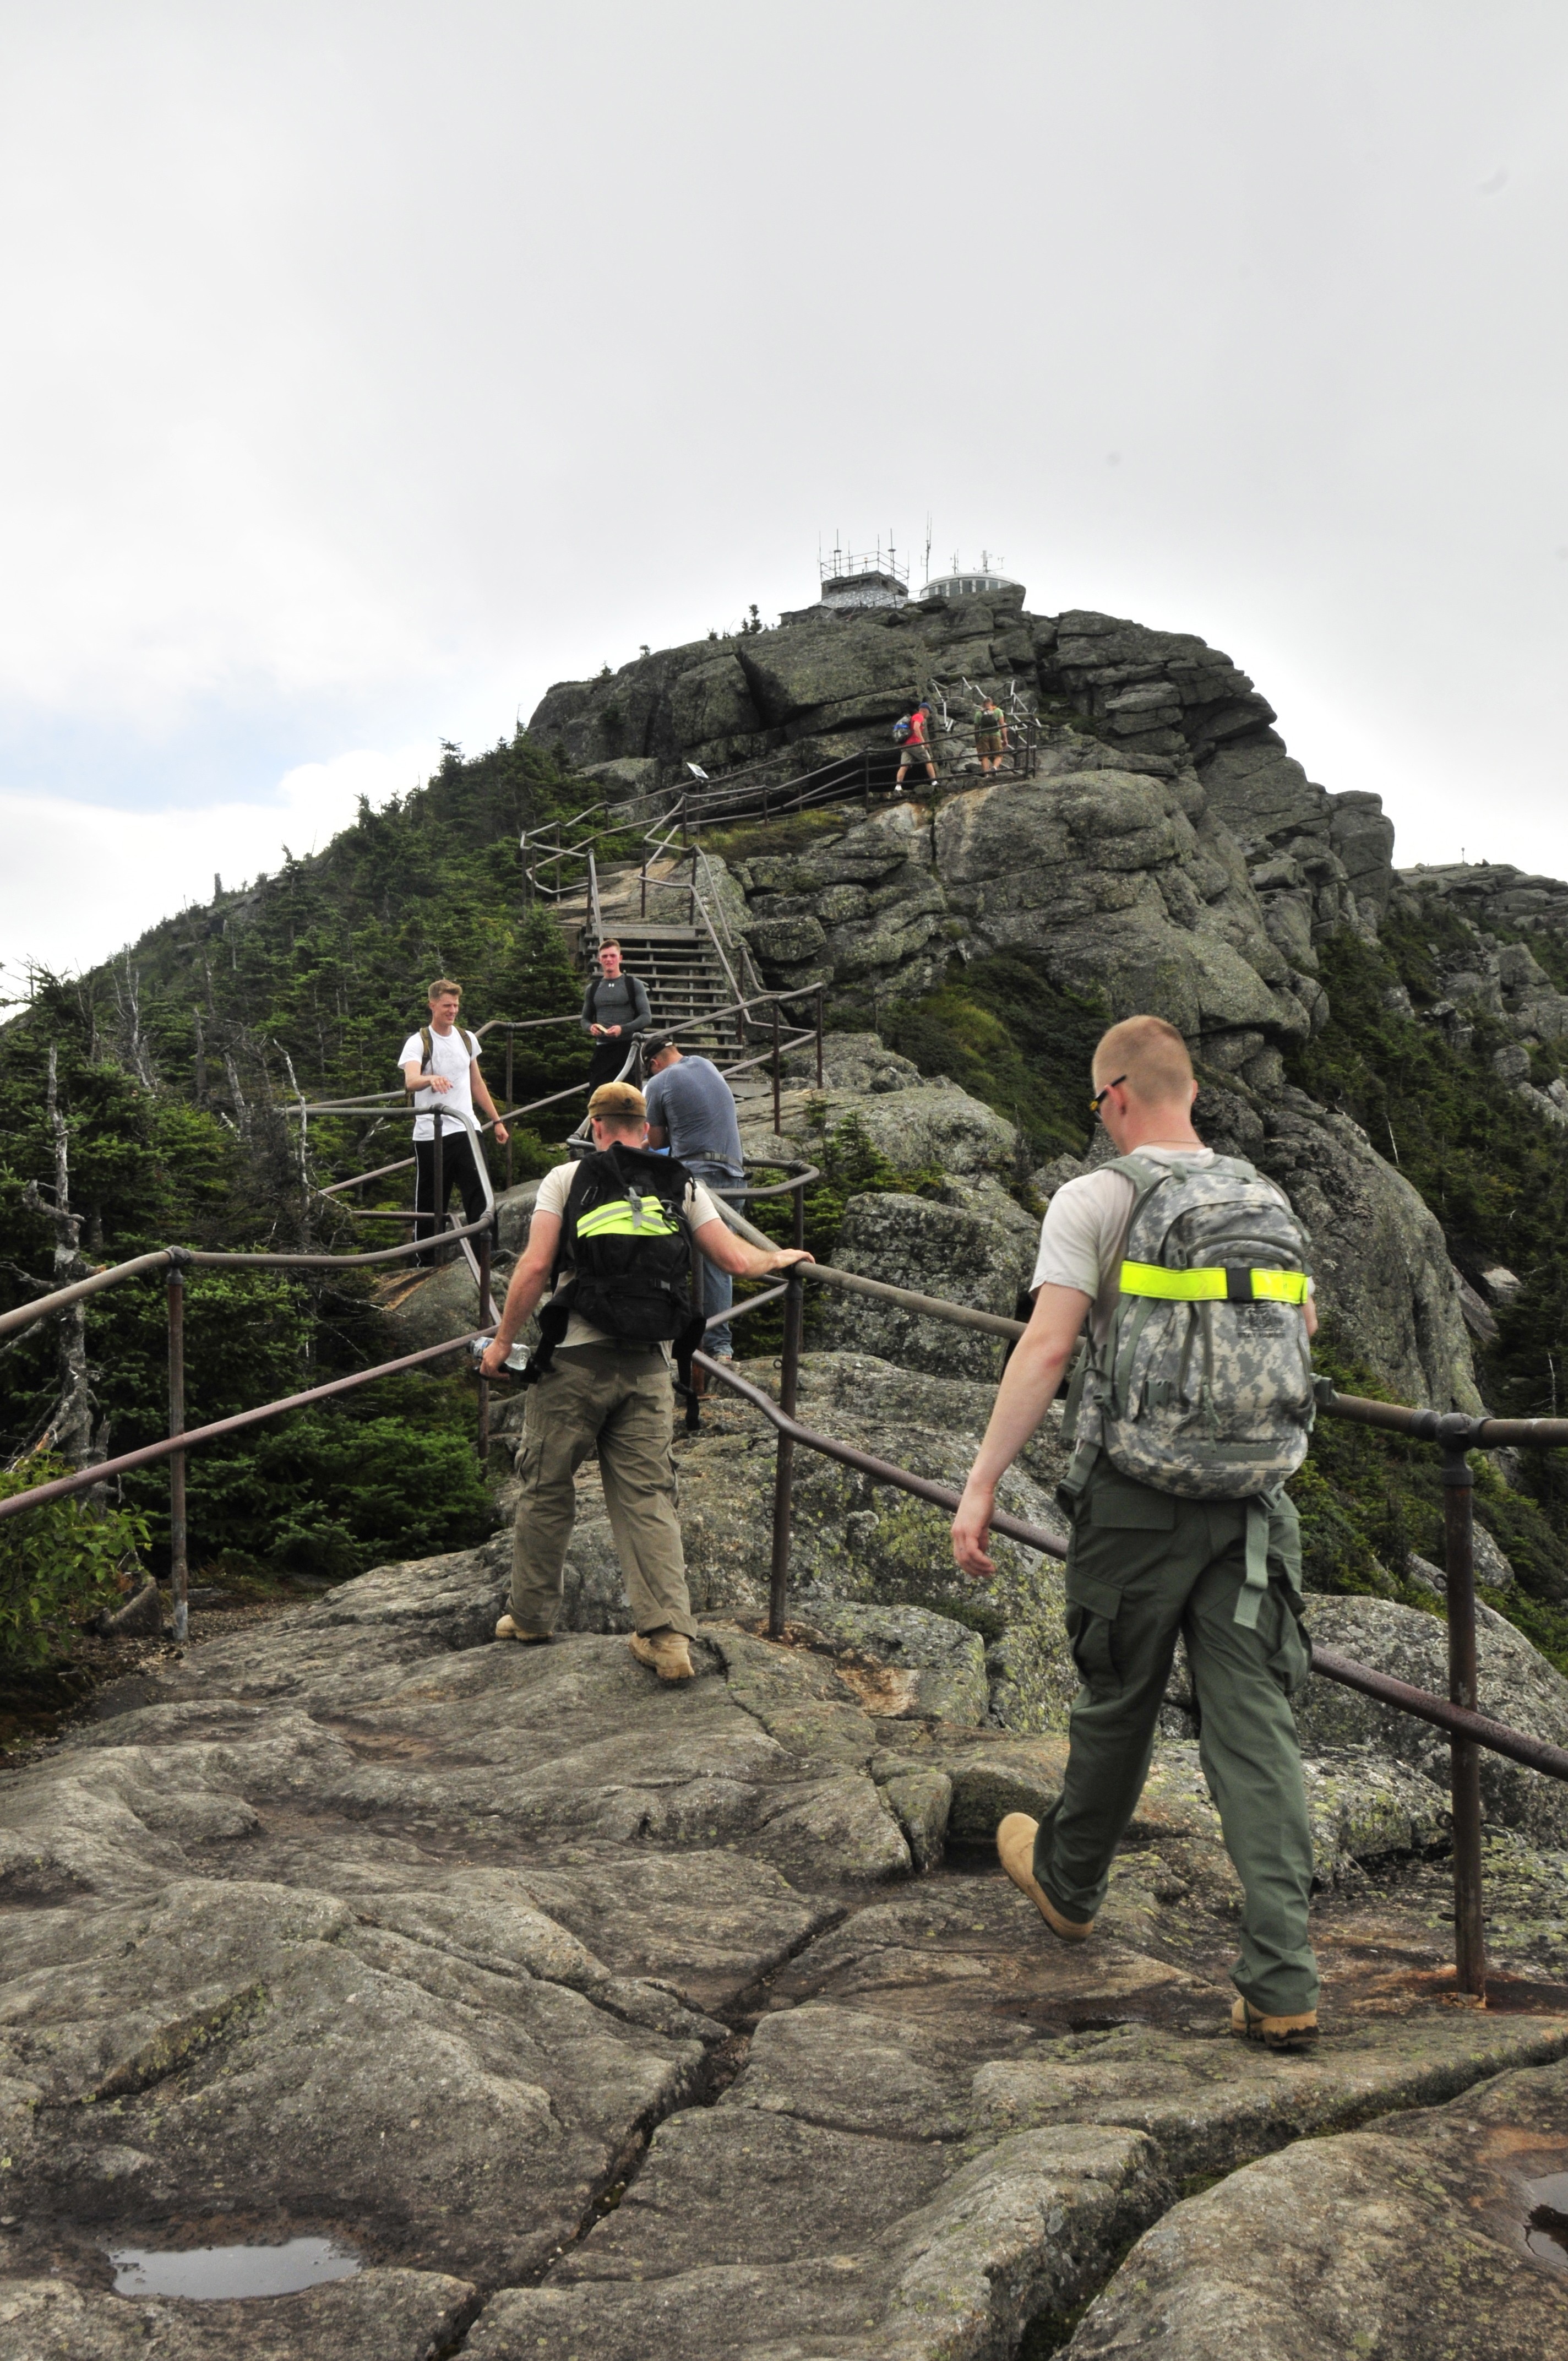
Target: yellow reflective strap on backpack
1214, 1284
1176, 1286
649, 1218
1280, 1286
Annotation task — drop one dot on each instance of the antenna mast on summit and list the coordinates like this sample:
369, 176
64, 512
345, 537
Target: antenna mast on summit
927, 574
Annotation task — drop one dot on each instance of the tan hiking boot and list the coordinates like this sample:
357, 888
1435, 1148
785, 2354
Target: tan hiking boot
1015, 1851
665, 1652
1297, 2032
507, 1630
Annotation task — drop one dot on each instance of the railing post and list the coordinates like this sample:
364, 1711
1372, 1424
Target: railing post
438, 1193
821, 994
775, 1066
179, 1571
512, 1036
784, 1466
482, 1256
1465, 1756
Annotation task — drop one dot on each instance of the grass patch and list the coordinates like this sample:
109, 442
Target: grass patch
1004, 1032
776, 839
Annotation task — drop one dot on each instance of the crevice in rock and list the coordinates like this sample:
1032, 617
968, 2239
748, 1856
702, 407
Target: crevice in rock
707, 2086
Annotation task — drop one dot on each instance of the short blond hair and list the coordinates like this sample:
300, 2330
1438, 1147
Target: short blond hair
1151, 1055
442, 987
618, 1103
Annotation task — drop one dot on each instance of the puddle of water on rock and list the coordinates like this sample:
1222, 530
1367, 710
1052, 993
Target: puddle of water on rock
217, 2274
1546, 2231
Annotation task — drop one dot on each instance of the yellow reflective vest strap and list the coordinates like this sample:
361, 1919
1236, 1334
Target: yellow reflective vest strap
1212, 1284
648, 1217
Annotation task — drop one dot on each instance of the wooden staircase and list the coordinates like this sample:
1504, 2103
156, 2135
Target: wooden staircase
680, 971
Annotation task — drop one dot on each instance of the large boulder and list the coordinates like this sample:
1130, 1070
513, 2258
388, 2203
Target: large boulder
931, 1249
1105, 875
1419, 2239
1517, 1685
1377, 1250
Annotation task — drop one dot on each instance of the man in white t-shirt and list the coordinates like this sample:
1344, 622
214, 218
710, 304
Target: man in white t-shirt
445, 1073
601, 1394
1144, 1566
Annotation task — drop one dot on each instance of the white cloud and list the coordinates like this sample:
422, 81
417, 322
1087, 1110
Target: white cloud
127, 870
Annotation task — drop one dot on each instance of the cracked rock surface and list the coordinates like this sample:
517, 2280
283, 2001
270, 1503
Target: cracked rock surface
601, 2017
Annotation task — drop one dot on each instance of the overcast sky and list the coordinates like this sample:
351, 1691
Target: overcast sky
369, 368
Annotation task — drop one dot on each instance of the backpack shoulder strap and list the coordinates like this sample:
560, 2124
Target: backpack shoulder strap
565, 1245
424, 1054
594, 999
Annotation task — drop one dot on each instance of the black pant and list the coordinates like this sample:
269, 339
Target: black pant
458, 1169
607, 1061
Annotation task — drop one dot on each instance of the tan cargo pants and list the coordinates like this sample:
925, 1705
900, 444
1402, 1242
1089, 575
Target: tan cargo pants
620, 1404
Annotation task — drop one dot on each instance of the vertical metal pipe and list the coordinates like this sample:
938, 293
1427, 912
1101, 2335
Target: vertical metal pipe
482, 1256
438, 1190
775, 1066
821, 996
512, 1036
179, 1571
783, 1464
1459, 1534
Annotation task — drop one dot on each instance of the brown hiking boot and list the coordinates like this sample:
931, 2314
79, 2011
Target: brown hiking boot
507, 1630
1289, 2033
665, 1652
1015, 1851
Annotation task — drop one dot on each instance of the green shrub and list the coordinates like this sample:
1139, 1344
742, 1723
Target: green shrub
1005, 1032
58, 1562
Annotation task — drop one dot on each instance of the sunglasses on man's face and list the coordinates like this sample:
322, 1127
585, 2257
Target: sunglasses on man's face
1104, 1092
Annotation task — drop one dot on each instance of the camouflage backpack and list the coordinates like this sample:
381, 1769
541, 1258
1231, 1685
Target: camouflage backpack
1203, 1386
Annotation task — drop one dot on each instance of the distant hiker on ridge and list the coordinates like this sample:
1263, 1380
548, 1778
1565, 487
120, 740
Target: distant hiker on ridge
615, 1007
990, 733
915, 745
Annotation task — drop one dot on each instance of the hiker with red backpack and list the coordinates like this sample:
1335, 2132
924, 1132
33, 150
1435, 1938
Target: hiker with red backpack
440, 1069
910, 735
614, 1241
1190, 1409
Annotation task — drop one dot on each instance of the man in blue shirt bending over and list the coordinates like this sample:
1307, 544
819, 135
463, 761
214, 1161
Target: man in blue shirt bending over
691, 1111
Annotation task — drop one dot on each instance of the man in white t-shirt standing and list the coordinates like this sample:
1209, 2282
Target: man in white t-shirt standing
602, 1393
1145, 1564
441, 1068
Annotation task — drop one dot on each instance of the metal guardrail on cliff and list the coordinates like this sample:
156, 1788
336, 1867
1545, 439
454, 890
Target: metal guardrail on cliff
1453, 1433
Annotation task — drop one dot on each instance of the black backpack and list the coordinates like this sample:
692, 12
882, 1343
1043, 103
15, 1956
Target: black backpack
633, 1267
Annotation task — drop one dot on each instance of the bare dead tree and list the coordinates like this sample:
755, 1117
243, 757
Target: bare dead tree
129, 999
70, 1428
241, 1110
303, 1148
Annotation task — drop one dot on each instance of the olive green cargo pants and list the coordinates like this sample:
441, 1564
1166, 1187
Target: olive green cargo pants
620, 1404
1144, 1566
